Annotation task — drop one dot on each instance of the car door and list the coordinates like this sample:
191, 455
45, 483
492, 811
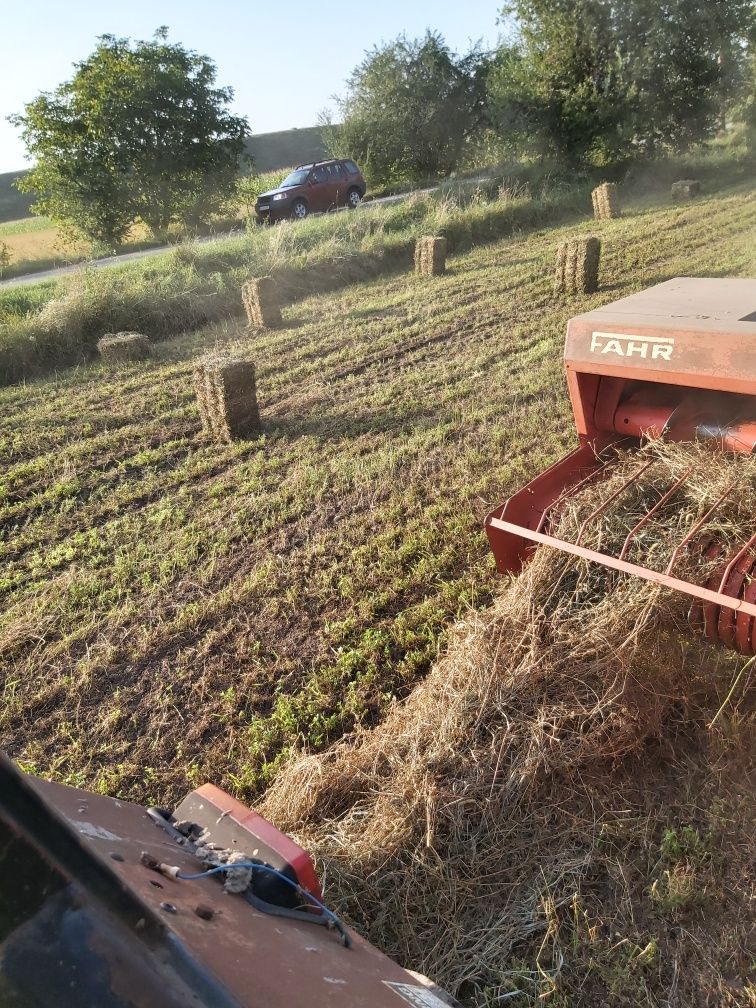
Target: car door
319, 188
341, 183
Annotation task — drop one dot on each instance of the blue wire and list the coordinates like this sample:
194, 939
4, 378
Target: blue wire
329, 914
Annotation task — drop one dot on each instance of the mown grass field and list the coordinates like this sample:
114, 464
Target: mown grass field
175, 610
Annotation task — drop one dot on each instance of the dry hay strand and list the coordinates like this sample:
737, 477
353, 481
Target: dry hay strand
124, 346
685, 189
577, 266
260, 299
227, 398
605, 201
445, 832
430, 255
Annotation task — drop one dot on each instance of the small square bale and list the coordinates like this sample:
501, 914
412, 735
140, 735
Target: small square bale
227, 397
260, 299
685, 189
577, 266
124, 346
430, 255
605, 201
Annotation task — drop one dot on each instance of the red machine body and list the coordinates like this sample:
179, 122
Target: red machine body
102, 903
678, 361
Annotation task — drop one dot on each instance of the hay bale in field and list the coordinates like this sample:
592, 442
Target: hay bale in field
261, 303
124, 346
443, 830
577, 266
685, 189
227, 397
605, 201
430, 255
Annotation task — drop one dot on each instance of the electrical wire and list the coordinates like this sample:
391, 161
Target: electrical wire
331, 918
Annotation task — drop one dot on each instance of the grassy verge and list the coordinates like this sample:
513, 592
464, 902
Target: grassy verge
197, 283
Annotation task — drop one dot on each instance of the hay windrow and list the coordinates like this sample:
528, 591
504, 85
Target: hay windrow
443, 830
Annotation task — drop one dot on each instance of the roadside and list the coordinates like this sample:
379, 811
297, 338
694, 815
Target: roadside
116, 260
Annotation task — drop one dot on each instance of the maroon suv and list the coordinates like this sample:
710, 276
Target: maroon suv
310, 188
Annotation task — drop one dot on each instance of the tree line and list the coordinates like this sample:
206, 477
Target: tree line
592, 82
142, 132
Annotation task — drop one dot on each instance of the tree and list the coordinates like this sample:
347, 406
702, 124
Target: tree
139, 133
409, 107
597, 80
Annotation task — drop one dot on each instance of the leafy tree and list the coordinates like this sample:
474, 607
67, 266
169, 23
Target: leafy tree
139, 133
598, 80
409, 107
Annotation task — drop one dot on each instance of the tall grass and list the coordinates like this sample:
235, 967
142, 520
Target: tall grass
196, 283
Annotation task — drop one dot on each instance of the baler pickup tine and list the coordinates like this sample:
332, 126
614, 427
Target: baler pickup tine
696, 528
736, 560
602, 507
569, 492
654, 509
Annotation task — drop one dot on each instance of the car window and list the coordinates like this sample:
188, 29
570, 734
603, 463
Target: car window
298, 177
351, 167
320, 174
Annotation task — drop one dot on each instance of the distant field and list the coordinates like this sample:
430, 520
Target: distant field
13, 204
269, 150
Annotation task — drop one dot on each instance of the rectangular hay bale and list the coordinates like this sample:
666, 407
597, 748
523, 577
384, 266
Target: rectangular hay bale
124, 346
577, 266
227, 397
685, 189
605, 201
430, 255
261, 303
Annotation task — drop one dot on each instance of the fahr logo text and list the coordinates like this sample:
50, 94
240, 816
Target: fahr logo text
620, 345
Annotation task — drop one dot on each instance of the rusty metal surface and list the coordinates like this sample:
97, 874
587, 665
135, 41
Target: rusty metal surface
261, 960
696, 332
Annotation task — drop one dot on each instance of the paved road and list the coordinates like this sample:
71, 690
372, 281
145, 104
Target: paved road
61, 271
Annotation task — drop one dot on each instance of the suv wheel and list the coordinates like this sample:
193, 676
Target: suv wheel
299, 210
354, 198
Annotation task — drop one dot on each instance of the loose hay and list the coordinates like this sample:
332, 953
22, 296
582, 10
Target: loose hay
452, 832
577, 266
685, 189
605, 201
124, 346
260, 299
430, 256
227, 398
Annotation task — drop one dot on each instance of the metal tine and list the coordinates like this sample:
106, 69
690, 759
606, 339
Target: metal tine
654, 509
547, 512
735, 560
701, 521
602, 507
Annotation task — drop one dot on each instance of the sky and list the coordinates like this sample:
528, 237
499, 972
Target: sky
284, 60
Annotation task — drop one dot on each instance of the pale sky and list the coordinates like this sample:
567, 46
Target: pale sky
283, 60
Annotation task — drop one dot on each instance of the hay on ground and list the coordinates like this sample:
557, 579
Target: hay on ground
430, 255
577, 266
448, 831
605, 201
124, 346
260, 298
226, 397
685, 189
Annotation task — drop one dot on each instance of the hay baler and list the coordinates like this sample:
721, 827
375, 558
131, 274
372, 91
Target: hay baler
676, 361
